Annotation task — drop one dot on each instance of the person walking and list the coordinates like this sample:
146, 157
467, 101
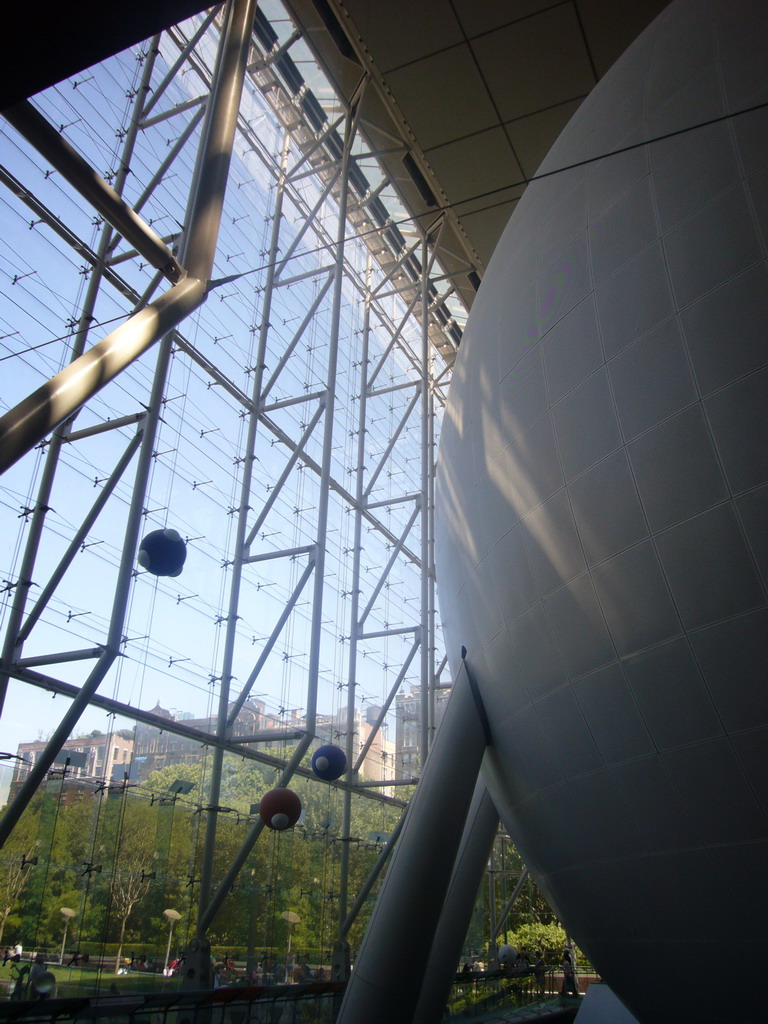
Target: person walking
18, 977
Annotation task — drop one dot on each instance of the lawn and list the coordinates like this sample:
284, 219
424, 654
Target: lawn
80, 981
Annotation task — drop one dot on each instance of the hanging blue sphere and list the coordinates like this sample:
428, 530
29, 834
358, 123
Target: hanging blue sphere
162, 553
329, 762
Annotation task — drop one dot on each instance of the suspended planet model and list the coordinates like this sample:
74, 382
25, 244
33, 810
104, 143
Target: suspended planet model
45, 982
163, 553
507, 955
602, 501
280, 809
329, 762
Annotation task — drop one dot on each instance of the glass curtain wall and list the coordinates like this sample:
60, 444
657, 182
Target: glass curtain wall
285, 432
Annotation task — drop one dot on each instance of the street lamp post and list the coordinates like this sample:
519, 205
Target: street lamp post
292, 919
67, 913
173, 916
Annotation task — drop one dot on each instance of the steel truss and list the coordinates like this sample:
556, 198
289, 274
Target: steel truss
353, 388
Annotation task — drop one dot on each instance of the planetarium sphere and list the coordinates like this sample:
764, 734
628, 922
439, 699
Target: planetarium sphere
602, 504
280, 809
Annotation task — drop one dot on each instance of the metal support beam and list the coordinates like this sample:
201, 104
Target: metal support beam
319, 142
509, 904
341, 962
392, 442
476, 845
397, 549
180, 108
296, 241
370, 881
51, 144
60, 657
393, 340
419, 875
270, 735
33, 419
159, 90
13, 645
289, 348
102, 428
387, 703
290, 604
85, 528
280, 482
178, 728
427, 681
212, 169
384, 783
209, 912
52, 403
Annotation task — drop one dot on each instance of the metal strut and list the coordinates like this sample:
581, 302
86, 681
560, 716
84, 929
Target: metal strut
407, 913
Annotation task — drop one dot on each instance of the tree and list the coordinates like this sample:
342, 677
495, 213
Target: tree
17, 863
130, 881
549, 938
14, 879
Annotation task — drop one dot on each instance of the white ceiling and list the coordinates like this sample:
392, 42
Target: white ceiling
478, 89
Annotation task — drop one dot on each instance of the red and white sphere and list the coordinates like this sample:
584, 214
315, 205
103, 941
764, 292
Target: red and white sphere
280, 809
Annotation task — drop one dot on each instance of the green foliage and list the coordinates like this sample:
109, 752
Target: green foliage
549, 938
119, 857
15, 871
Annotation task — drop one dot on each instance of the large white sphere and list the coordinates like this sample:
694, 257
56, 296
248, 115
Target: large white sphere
602, 503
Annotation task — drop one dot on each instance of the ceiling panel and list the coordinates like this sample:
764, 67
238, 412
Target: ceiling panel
531, 137
611, 27
484, 227
455, 73
481, 163
441, 71
535, 63
382, 24
478, 16
463, 105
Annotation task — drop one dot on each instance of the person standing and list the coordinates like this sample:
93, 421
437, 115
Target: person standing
37, 971
570, 980
540, 973
18, 977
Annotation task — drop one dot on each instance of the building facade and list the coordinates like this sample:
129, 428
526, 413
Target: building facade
96, 756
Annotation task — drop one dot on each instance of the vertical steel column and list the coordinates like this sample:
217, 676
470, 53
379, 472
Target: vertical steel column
11, 647
212, 170
502, 918
208, 907
111, 647
426, 466
341, 952
493, 958
206, 202
241, 546
431, 612
350, 130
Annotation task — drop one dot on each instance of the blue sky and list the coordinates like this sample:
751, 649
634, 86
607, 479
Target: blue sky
174, 630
